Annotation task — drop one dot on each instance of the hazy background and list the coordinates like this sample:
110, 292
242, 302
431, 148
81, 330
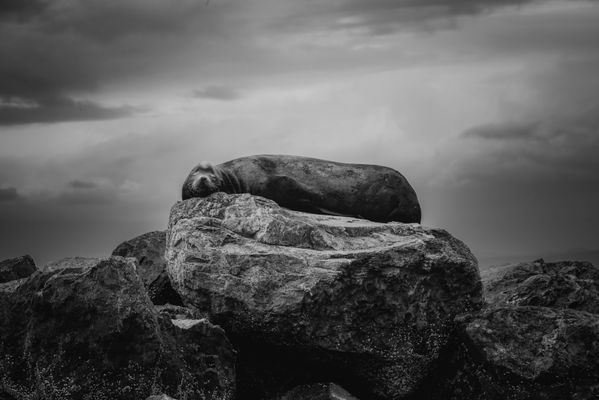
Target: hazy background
489, 108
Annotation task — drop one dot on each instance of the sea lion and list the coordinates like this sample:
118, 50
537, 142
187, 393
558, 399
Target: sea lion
371, 192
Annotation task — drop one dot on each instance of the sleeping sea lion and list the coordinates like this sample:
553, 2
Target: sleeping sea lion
372, 192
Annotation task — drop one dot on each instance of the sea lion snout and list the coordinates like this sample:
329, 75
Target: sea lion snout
202, 181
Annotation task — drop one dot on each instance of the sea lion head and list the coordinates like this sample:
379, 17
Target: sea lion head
203, 180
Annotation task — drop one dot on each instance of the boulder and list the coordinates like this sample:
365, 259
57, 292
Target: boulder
16, 268
317, 391
536, 338
528, 352
149, 249
566, 284
74, 263
79, 332
316, 298
207, 352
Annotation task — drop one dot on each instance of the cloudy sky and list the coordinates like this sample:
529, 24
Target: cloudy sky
490, 109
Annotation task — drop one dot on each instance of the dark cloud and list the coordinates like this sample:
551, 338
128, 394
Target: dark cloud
71, 49
21, 9
9, 194
86, 198
108, 21
380, 17
553, 151
504, 131
217, 92
78, 184
59, 109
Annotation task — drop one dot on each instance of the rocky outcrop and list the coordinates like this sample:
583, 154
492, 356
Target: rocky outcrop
538, 337
567, 284
149, 249
74, 263
92, 332
309, 298
16, 268
317, 391
533, 352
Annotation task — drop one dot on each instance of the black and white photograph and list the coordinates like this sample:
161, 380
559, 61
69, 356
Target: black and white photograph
299, 199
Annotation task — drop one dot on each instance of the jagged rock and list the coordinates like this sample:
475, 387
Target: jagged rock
566, 284
207, 351
161, 291
318, 391
534, 340
530, 352
307, 297
74, 263
149, 249
16, 268
84, 332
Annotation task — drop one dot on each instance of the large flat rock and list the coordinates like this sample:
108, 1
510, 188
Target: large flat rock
309, 297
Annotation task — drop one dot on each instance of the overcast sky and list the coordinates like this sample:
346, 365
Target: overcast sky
489, 108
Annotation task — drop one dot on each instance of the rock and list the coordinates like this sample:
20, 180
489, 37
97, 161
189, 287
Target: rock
534, 340
79, 332
566, 284
178, 312
161, 291
318, 391
530, 352
149, 249
207, 351
16, 268
160, 397
307, 297
74, 263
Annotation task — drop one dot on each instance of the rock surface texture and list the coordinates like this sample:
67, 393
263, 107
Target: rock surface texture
149, 249
16, 268
538, 337
308, 297
318, 391
567, 284
92, 333
74, 263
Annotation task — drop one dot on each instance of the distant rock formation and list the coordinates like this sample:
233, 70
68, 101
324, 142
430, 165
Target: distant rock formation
307, 297
16, 268
74, 333
149, 249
